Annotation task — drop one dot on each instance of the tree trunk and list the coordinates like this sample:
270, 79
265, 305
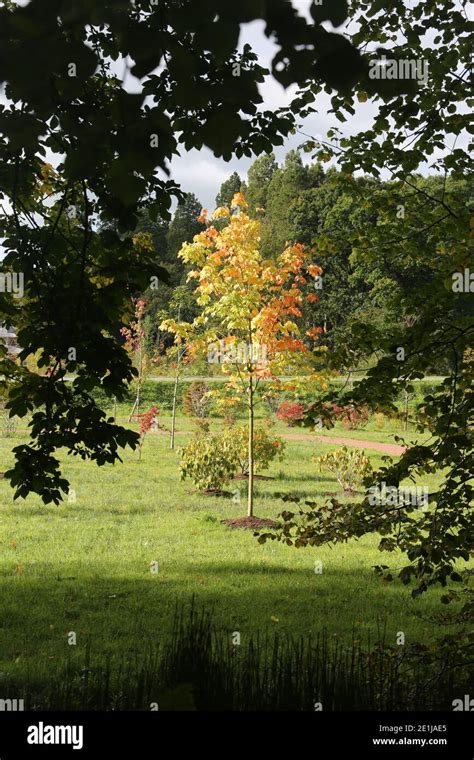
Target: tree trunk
173, 413
175, 391
250, 451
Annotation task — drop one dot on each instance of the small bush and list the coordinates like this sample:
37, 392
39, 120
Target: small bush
379, 420
209, 461
349, 467
290, 412
355, 417
196, 400
273, 401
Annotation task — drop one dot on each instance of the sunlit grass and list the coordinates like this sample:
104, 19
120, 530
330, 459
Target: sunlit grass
85, 566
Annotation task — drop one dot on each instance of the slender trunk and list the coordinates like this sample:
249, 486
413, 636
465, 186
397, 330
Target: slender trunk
406, 410
133, 409
140, 370
175, 391
251, 466
173, 413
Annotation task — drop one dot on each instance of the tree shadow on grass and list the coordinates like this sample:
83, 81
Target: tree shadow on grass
120, 614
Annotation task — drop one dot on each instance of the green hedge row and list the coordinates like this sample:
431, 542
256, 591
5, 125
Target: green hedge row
158, 393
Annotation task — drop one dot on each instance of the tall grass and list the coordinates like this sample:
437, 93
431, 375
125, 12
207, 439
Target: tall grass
200, 668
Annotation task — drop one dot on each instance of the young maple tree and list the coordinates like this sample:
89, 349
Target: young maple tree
134, 336
249, 307
147, 419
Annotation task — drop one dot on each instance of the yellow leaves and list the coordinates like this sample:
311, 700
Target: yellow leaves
47, 171
239, 201
362, 97
290, 327
143, 241
221, 213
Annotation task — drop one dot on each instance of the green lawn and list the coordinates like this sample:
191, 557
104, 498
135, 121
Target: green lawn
84, 566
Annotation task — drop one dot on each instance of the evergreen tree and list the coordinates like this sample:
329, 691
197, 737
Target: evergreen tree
259, 177
286, 184
184, 226
228, 189
182, 229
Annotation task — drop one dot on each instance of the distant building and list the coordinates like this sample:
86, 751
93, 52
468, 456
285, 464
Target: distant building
8, 338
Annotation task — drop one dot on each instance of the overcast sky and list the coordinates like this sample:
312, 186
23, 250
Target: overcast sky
201, 173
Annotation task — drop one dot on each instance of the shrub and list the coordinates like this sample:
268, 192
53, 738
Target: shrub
209, 461
355, 417
349, 467
196, 400
227, 405
351, 417
379, 420
273, 401
265, 448
290, 412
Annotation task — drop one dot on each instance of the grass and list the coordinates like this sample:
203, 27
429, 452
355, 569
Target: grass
85, 566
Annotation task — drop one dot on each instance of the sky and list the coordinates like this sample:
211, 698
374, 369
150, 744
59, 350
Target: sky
201, 173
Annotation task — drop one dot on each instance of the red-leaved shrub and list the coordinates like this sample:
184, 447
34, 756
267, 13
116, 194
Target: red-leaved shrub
290, 412
351, 417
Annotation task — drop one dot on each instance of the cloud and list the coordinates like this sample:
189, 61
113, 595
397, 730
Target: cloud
199, 172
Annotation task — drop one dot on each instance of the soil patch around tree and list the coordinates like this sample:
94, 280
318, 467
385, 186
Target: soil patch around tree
250, 523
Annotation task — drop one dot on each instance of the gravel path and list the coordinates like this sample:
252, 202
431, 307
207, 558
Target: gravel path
387, 448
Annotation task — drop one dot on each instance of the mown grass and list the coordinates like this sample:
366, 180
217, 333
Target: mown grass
85, 566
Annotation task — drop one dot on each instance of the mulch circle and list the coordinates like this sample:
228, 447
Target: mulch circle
239, 476
252, 523
216, 492
2, 475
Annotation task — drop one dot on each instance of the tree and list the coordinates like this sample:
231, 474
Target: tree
182, 229
286, 184
112, 148
250, 307
228, 189
417, 118
160, 295
134, 336
259, 177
